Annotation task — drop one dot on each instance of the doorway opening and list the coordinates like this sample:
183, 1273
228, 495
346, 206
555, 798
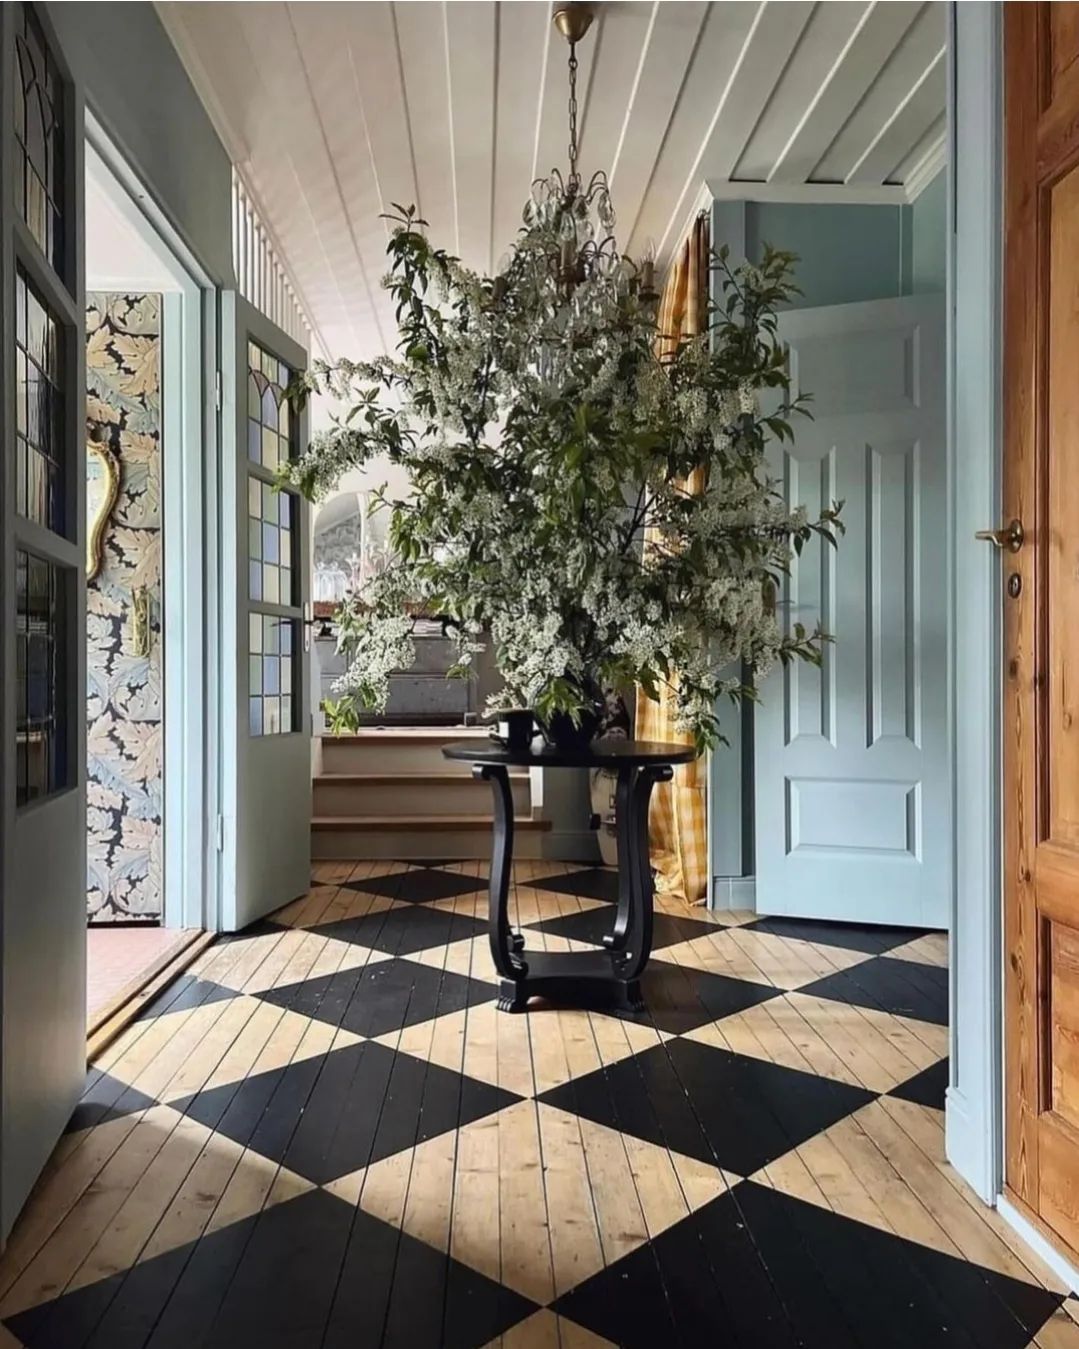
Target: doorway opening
142, 384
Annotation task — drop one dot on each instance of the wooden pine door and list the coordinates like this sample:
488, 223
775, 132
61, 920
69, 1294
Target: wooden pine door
1041, 614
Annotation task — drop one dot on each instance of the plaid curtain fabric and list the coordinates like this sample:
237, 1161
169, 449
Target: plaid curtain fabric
678, 820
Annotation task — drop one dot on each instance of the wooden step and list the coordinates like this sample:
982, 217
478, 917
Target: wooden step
419, 823
422, 794
419, 838
405, 750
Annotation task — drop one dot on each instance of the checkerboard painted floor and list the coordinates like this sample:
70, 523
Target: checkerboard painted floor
325, 1135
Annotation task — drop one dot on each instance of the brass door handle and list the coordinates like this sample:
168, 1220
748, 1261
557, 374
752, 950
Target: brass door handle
141, 630
1010, 537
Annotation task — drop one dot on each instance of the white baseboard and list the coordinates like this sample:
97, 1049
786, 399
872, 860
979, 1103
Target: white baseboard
1038, 1244
734, 892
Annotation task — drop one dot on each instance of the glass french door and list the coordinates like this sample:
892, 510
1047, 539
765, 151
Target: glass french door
42, 601
266, 768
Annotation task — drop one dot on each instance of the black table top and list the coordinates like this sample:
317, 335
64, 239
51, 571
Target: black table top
599, 754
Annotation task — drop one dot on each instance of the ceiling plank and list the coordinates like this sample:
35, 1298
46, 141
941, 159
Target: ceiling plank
421, 36
801, 82
913, 55
471, 44
920, 166
665, 59
678, 172
861, 61
522, 31
772, 41
912, 119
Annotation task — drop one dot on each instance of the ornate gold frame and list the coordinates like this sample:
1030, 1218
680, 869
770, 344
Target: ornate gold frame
95, 534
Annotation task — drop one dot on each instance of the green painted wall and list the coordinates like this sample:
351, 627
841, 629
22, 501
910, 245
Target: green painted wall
846, 253
928, 224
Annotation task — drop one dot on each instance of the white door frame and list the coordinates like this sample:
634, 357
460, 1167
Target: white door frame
974, 1134
189, 899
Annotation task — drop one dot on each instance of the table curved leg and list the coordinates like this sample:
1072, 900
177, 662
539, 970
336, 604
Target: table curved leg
623, 823
637, 944
504, 943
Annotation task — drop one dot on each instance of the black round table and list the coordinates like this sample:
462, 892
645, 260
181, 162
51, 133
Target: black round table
579, 977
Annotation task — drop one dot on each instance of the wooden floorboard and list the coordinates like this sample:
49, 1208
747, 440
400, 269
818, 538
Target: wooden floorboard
325, 1133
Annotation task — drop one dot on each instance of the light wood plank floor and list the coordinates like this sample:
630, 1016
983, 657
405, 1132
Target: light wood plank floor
325, 1134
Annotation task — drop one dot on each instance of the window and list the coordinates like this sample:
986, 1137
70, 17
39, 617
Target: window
272, 515
39, 409
40, 748
273, 645
39, 137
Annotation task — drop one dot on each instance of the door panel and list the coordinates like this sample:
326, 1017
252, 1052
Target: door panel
1041, 616
42, 603
851, 787
267, 771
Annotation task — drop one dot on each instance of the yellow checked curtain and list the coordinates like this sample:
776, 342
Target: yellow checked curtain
678, 820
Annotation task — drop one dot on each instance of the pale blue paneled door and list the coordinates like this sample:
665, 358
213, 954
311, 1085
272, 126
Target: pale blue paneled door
266, 764
852, 803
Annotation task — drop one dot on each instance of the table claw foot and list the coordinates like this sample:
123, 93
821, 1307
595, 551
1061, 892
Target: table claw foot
512, 997
517, 941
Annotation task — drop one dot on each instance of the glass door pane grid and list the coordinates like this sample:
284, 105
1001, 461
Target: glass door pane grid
40, 722
274, 640
39, 137
39, 408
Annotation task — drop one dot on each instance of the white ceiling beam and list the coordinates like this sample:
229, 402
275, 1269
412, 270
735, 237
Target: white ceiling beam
422, 46
799, 85
846, 83
817, 194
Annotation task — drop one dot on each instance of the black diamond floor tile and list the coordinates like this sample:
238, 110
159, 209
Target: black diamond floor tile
901, 987
327, 1116
870, 938
381, 997
184, 993
105, 1098
593, 924
678, 999
309, 1272
418, 885
776, 1272
731, 1111
592, 883
405, 930
927, 1087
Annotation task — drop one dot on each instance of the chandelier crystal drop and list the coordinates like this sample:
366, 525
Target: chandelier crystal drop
569, 225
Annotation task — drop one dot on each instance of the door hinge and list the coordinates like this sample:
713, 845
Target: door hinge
217, 390
219, 833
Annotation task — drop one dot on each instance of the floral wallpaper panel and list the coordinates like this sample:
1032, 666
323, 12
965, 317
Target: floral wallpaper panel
125, 749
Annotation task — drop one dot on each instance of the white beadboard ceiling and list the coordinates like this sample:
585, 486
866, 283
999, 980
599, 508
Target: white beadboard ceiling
331, 111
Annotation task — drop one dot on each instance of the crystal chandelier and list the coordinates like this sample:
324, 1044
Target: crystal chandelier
577, 221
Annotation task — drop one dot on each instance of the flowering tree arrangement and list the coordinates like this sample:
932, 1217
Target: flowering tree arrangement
544, 430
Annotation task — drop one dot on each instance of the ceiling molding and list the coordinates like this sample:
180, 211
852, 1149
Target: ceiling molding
921, 176
817, 194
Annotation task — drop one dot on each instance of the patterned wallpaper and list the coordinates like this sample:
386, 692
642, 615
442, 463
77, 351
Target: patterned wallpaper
125, 750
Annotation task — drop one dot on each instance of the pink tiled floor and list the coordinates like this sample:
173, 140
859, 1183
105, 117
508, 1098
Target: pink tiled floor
117, 956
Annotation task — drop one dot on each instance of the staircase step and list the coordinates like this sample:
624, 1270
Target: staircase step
418, 838
419, 794
398, 750
417, 823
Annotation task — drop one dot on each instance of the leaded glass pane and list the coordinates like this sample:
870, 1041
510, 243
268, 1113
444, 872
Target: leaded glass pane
271, 677
269, 530
39, 409
39, 137
40, 722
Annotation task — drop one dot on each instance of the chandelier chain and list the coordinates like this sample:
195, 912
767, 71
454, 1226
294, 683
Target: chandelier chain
573, 176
